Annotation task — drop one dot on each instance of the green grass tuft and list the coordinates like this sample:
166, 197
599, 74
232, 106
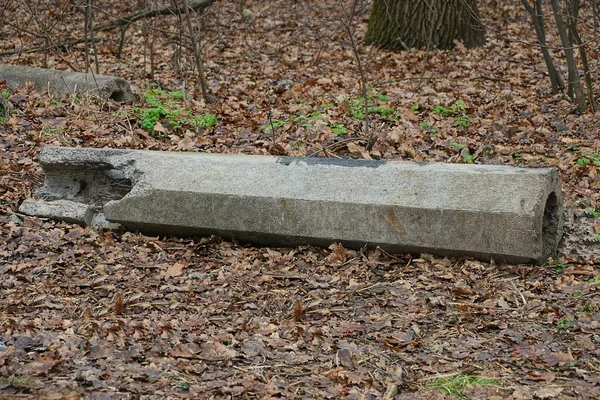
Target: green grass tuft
455, 385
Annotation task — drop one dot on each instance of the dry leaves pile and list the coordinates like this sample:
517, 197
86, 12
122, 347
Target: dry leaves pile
101, 315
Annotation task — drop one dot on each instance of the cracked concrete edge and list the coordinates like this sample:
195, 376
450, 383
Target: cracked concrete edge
68, 82
71, 212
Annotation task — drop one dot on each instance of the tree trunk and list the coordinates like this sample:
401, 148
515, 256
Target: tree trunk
575, 88
405, 24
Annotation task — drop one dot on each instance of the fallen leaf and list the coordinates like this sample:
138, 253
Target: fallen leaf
174, 270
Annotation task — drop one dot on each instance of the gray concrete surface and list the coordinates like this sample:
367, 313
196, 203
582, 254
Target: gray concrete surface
67, 82
510, 214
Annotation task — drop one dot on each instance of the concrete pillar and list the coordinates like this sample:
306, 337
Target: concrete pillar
483, 211
67, 82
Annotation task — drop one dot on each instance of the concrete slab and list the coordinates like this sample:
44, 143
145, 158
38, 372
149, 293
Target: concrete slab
484, 211
67, 82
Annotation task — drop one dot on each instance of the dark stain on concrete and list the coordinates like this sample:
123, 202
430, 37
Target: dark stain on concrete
331, 161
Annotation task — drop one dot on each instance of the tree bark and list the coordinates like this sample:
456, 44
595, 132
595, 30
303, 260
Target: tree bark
405, 24
537, 17
575, 88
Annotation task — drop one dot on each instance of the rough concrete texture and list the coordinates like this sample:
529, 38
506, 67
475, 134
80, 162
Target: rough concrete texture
510, 214
65, 82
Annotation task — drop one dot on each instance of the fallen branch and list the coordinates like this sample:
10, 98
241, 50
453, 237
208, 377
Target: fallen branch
123, 22
136, 16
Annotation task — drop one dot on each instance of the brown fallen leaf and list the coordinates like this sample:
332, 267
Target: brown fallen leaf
548, 392
174, 270
119, 306
338, 253
463, 291
298, 311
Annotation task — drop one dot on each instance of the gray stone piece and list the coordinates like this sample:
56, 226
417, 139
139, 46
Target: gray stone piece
484, 211
67, 82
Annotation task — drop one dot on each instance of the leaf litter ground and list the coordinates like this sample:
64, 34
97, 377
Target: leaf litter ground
103, 315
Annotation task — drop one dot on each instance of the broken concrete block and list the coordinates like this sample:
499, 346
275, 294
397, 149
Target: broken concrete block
67, 82
60, 210
484, 211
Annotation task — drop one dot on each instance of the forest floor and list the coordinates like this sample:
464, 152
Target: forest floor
116, 315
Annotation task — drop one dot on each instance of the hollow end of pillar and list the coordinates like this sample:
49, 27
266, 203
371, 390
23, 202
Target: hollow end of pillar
551, 225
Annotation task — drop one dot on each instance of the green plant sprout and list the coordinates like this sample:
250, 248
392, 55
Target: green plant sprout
592, 212
587, 159
458, 110
338, 129
457, 384
3, 108
564, 324
427, 127
357, 106
273, 124
462, 121
560, 267
163, 106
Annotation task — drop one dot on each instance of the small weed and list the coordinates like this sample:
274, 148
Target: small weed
163, 107
462, 121
47, 131
458, 146
558, 268
442, 111
4, 107
18, 381
338, 129
416, 107
458, 110
592, 212
177, 95
274, 124
203, 121
564, 324
427, 127
576, 293
297, 144
315, 115
595, 280
468, 158
182, 385
457, 384
357, 110
587, 308
458, 106
588, 159
384, 112
357, 106
517, 154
